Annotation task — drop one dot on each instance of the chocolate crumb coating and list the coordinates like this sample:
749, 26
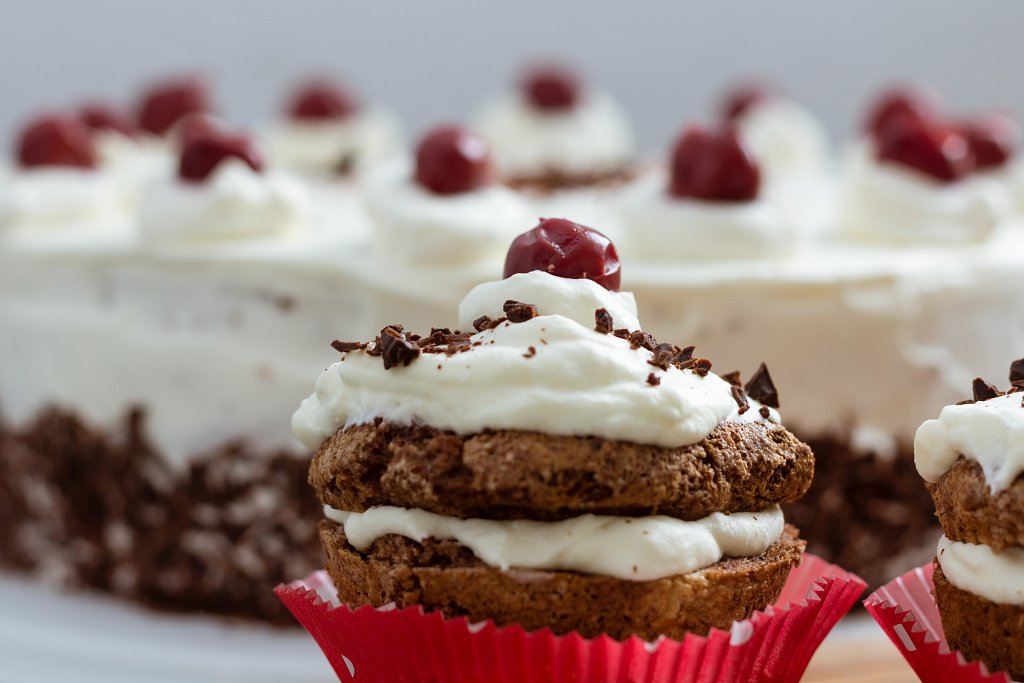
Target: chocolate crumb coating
447, 577
980, 628
505, 474
970, 513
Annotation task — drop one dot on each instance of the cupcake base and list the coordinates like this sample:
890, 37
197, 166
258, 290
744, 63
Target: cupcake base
445, 577
981, 629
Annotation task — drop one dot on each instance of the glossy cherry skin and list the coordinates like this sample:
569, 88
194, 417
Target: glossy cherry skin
203, 152
993, 139
938, 151
900, 105
742, 98
453, 160
321, 101
566, 249
167, 103
56, 140
551, 87
193, 125
103, 117
713, 165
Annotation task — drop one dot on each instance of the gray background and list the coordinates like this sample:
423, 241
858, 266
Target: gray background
434, 60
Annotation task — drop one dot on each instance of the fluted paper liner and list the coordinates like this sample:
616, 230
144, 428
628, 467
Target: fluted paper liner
905, 609
388, 645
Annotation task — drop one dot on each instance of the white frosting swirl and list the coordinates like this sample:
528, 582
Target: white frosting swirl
645, 548
660, 227
593, 136
414, 225
784, 137
134, 162
551, 374
978, 570
234, 202
59, 198
991, 433
319, 147
883, 202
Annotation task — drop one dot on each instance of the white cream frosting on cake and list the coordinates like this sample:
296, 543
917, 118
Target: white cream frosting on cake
785, 137
61, 198
322, 147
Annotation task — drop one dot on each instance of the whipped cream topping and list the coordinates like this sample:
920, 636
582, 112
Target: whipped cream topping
551, 374
882, 202
59, 198
660, 227
234, 202
416, 226
593, 136
134, 163
991, 433
645, 548
978, 570
325, 147
785, 137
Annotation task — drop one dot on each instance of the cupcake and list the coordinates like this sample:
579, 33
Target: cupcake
556, 467
556, 132
972, 458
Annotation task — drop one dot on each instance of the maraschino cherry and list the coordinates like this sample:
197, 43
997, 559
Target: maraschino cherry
566, 249
453, 160
551, 87
900, 105
993, 139
713, 165
56, 140
936, 150
103, 117
167, 103
320, 100
742, 98
203, 152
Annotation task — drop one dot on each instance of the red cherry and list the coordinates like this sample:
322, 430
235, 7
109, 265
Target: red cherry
740, 99
193, 125
993, 139
898, 105
939, 151
321, 101
101, 117
551, 87
452, 160
56, 140
713, 165
566, 249
167, 103
204, 151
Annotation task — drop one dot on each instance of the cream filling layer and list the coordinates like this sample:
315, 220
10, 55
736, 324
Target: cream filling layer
976, 569
627, 548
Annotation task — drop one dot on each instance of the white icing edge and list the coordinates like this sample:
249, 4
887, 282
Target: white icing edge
978, 570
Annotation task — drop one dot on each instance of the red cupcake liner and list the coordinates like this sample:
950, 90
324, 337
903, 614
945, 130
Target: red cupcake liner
388, 645
905, 609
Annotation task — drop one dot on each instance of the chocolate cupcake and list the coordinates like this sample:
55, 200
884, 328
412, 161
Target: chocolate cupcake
972, 458
557, 467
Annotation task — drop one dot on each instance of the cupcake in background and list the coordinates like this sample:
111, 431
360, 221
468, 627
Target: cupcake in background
972, 458
554, 132
326, 132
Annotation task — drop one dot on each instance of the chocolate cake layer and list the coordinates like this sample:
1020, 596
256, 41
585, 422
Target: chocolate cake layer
103, 510
554, 180
867, 512
444, 576
969, 513
980, 628
507, 474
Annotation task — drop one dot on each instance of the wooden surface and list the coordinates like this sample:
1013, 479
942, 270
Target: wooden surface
858, 652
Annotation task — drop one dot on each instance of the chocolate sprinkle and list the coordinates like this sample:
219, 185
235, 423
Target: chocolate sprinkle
762, 389
663, 356
740, 397
603, 322
395, 348
531, 351
518, 312
343, 346
766, 413
653, 380
640, 339
702, 366
621, 333
1017, 372
733, 378
983, 391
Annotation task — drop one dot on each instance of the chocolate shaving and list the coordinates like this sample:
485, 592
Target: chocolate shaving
603, 322
1017, 372
983, 391
374, 350
653, 379
621, 333
740, 397
485, 323
762, 389
531, 351
343, 346
733, 378
702, 366
683, 356
518, 312
395, 348
766, 413
663, 355
640, 339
